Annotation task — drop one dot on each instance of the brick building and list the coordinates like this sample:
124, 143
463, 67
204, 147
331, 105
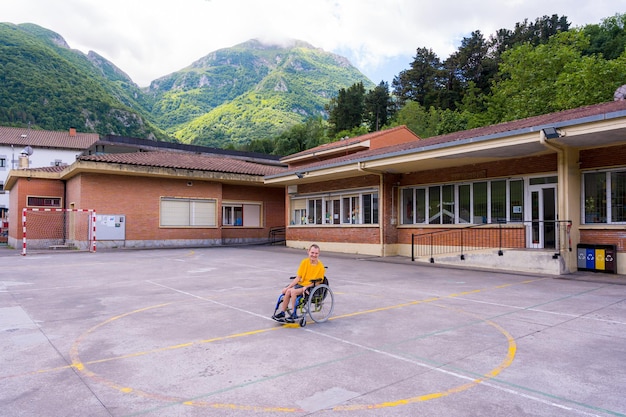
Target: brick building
166, 199
543, 194
530, 195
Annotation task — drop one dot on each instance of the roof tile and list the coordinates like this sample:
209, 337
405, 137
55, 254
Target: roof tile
187, 161
46, 138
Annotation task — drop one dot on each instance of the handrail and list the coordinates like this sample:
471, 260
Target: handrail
501, 235
277, 234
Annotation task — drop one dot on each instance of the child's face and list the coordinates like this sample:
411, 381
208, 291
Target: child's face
314, 253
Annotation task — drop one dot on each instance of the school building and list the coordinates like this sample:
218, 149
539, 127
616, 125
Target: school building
543, 194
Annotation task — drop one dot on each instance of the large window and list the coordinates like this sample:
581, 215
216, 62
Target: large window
241, 214
37, 201
348, 207
476, 203
187, 212
604, 197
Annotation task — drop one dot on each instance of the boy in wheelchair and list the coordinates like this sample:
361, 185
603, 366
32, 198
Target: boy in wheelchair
310, 271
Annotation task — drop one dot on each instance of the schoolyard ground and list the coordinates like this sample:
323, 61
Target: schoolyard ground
187, 332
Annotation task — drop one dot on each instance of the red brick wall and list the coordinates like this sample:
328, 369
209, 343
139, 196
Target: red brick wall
366, 180
603, 157
19, 197
478, 237
338, 234
503, 168
138, 198
604, 237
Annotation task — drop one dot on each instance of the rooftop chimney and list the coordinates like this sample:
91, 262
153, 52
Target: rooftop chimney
72, 132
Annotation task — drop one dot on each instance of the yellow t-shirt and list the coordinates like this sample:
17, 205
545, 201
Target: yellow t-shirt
309, 272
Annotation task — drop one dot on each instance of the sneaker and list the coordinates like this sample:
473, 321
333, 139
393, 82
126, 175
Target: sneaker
291, 319
279, 316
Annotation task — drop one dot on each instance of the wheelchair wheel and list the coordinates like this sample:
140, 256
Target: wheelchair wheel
320, 303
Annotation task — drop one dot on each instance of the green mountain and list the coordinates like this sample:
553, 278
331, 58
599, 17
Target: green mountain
44, 82
249, 91
231, 96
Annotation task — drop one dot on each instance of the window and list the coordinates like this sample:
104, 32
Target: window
498, 202
241, 214
604, 197
314, 213
350, 210
370, 209
349, 207
34, 201
3, 162
187, 212
475, 203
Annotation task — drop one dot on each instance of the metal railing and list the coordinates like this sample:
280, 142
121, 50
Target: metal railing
277, 234
547, 234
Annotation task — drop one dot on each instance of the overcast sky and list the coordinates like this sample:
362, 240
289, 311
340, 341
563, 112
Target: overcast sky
150, 39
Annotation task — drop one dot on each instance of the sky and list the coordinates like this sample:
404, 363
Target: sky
151, 39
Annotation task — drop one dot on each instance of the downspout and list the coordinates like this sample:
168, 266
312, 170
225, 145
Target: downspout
561, 180
381, 205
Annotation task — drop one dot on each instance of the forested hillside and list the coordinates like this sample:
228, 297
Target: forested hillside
53, 87
249, 91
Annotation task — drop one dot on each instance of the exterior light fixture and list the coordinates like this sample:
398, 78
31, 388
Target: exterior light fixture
551, 133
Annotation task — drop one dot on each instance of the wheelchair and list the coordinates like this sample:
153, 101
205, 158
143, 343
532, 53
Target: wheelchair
317, 302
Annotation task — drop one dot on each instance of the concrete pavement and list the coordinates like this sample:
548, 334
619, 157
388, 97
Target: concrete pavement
187, 332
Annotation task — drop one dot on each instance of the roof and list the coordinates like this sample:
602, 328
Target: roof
127, 143
501, 130
186, 161
22, 137
374, 140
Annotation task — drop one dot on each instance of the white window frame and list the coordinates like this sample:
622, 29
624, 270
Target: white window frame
187, 212
608, 197
49, 201
251, 213
304, 208
451, 209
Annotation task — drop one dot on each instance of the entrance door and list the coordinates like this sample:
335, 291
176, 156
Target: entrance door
543, 209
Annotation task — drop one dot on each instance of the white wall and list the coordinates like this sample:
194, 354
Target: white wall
41, 157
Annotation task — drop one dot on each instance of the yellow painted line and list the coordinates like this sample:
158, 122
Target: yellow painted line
80, 366
508, 360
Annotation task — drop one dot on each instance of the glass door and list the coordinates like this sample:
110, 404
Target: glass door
543, 210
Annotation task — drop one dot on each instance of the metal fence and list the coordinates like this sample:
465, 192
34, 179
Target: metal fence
548, 234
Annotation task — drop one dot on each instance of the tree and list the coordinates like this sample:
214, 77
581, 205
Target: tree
589, 80
301, 137
422, 81
346, 110
378, 106
415, 117
608, 38
535, 34
473, 63
528, 77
